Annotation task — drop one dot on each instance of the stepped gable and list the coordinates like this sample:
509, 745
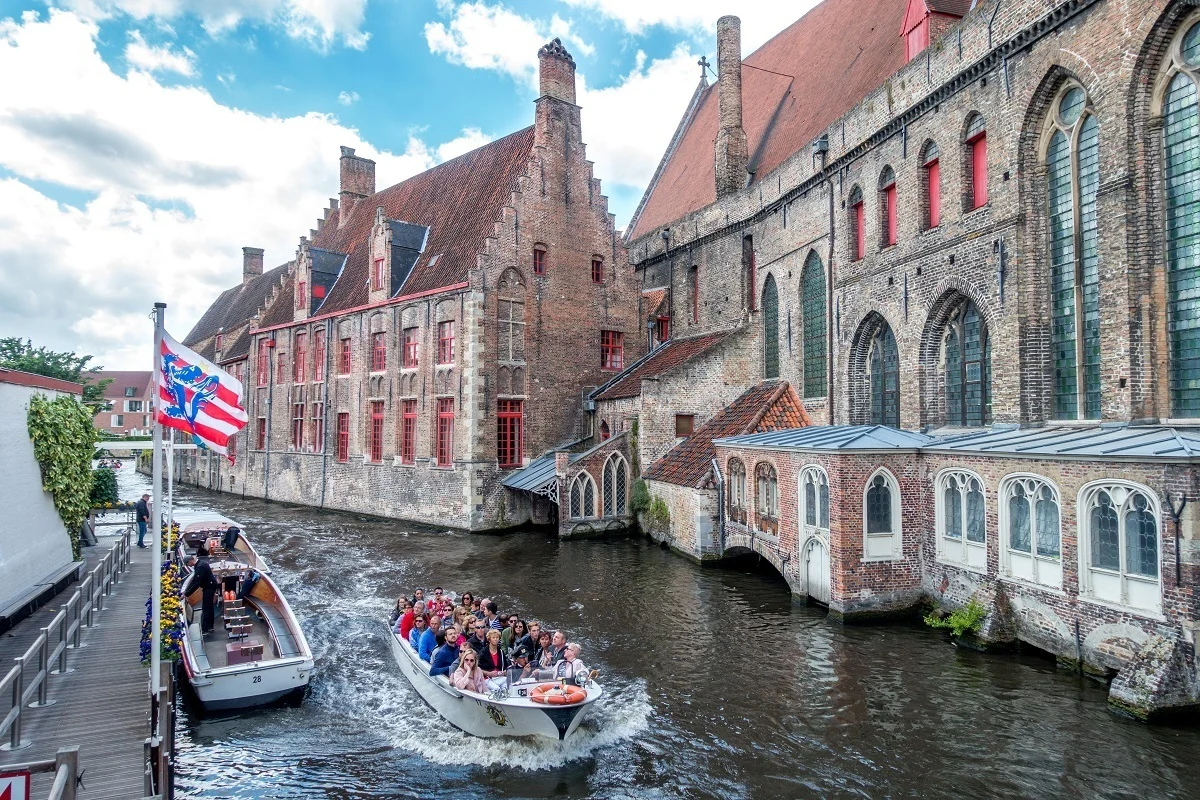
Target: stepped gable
838, 53
459, 201
665, 357
282, 311
235, 307
771, 405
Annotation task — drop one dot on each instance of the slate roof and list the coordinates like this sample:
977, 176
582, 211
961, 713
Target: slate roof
838, 52
665, 357
235, 306
832, 437
958, 8
1103, 441
138, 379
537, 475
767, 406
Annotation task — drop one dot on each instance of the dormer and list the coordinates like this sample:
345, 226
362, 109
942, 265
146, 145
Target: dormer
395, 248
926, 20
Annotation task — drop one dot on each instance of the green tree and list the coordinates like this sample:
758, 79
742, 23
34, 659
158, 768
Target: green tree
21, 355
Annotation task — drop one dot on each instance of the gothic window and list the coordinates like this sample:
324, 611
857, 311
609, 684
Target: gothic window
511, 318
766, 491
1072, 178
1181, 172
615, 486
881, 518
858, 225
961, 519
966, 358
814, 499
812, 296
1029, 524
883, 362
737, 484
583, 497
1120, 552
888, 212
770, 309
931, 186
975, 168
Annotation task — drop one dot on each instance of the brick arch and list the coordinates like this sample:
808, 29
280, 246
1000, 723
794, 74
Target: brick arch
951, 292
856, 378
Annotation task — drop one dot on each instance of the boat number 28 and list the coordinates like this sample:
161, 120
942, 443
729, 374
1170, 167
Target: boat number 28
257, 679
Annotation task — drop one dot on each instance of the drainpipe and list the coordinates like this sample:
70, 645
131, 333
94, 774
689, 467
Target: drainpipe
720, 505
271, 365
829, 343
1177, 518
325, 410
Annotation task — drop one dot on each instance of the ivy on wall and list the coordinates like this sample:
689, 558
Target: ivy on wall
63, 442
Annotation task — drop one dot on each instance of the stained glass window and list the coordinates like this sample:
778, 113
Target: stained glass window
1123, 546
1182, 173
879, 506
1049, 537
884, 363
968, 373
962, 519
812, 292
1018, 520
1106, 539
816, 497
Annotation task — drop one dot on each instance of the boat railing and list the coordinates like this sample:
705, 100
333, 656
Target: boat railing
29, 686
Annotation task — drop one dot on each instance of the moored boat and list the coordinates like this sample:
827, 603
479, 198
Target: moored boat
511, 711
256, 654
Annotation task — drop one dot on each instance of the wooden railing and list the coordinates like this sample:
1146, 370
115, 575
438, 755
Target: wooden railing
23, 682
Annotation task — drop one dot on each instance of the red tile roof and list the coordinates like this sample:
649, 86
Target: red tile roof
653, 300
838, 52
665, 357
137, 379
770, 406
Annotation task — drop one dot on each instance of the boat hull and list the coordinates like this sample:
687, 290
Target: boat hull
481, 716
246, 685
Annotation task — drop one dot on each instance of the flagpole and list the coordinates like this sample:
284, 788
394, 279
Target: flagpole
156, 552
170, 482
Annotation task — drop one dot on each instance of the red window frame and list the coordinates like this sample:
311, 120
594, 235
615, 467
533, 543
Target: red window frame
301, 356
933, 191
662, 329
408, 431
220, 339
300, 295
343, 434
375, 431
859, 219
510, 424
378, 352
298, 426
612, 351
539, 259
889, 215
318, 355
281, 367
979, 187
318, 427
411, 348
260, 434
344, 360
597, 270
264, 362
377, 275
444, 450
445, 342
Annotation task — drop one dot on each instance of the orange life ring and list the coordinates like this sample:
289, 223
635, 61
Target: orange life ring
553, 694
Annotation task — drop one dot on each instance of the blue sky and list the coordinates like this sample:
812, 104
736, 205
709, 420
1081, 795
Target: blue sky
146, 141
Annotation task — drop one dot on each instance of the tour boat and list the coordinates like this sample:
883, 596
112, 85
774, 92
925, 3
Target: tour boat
511, 711
256, 653
223, 540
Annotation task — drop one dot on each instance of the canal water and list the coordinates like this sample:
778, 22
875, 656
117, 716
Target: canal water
718, 685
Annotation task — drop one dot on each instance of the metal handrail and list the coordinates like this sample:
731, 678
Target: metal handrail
64, 765
22, 683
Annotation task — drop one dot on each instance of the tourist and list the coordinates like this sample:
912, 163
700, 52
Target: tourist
516, 633
142, 512
535, 633
476, 608
521, 668
491, 616
429, 639
418, 630
418, 596
446, 656
558, 644
468, 676
545, 654
404, 623
492, 660
466, 599
571, 668
402, 604
478, 637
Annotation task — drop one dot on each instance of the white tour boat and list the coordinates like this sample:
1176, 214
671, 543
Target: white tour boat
508, 712
256, 653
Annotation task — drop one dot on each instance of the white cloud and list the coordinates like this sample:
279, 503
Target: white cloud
148, 58
480, 36
761, 19
174, 184
470, 139
320, 22
348, 98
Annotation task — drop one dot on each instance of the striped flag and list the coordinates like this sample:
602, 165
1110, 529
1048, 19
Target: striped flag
198, 397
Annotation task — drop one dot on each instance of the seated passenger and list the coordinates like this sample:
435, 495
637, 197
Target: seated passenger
466, 599
429, 639
446, 657
521, 669
404, 625
468, 676
478, 637
544, 657
401, 606
491, 615
414, 636
418, 596
570, 669
476, 608
492, 660
535, 633
515, 634
558, 646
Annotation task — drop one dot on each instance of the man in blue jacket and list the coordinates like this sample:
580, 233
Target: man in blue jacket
429, 638
445, 658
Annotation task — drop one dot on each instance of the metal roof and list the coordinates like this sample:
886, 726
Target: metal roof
832, 437
537, 475
1101, 441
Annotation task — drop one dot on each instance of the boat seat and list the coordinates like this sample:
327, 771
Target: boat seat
197, 641
240, 631
285, 642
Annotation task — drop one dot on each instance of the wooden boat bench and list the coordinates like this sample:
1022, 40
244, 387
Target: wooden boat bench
285, 642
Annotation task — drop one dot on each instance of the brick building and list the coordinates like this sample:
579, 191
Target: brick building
128, 398
431, 338
963, 233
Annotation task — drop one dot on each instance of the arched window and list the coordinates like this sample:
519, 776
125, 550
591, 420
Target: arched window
888, 218
737, 486
1120, 552
975, 188
583, 497
961, 519
931, 186
1072, 180
766, 485
1181, 116
605, 434
770, 309
615, 486
812, 299
882, 536
1029, 525
883, 363
967, 356
814, 500
858, 225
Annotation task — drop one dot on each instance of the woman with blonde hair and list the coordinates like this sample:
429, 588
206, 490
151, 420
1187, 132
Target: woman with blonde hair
468, 676
492, 659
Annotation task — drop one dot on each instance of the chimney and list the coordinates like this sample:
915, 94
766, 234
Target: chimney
252, 263
556, 72
732, 150
357, 180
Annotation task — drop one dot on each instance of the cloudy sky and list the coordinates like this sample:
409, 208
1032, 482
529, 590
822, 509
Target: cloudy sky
144, 142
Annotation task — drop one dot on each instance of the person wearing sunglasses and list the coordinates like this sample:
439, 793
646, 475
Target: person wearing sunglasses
418, 628
478, 637
468, 676
446, 657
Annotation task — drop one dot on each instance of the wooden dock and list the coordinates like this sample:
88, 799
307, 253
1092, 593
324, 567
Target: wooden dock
103, 705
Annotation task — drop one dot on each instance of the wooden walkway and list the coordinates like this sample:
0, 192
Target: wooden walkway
103, 707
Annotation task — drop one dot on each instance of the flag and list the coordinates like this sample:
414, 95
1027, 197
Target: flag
198, 397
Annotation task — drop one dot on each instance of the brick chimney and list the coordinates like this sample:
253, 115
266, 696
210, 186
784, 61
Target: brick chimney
732, 150
252, 263
357, 181
556, 72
